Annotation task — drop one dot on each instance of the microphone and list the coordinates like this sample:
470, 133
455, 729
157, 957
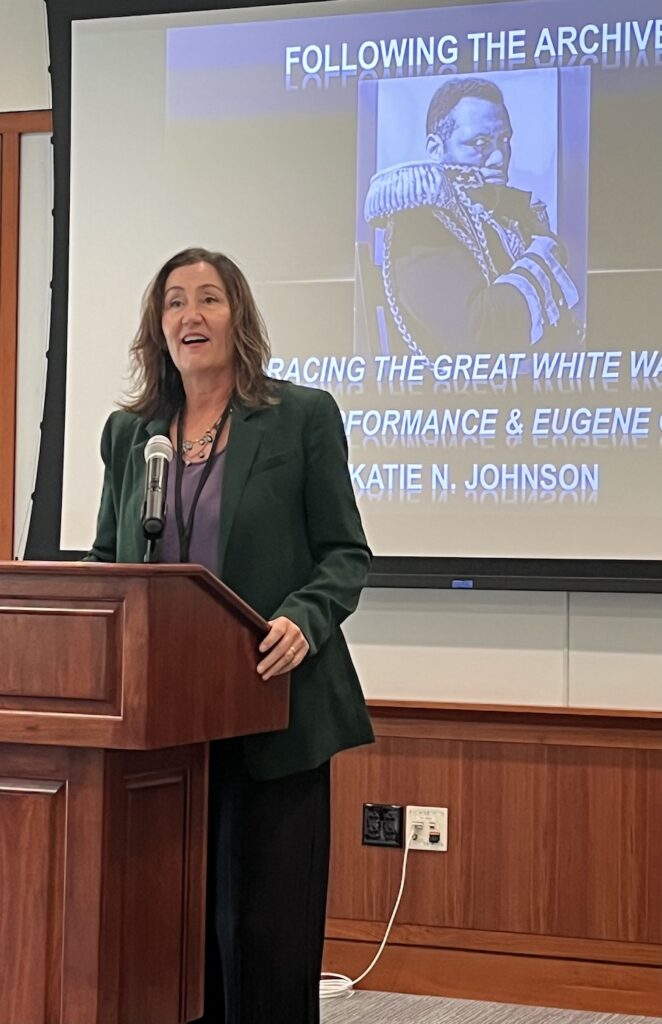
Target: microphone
158, 453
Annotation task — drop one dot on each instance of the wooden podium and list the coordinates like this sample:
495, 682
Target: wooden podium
113, 678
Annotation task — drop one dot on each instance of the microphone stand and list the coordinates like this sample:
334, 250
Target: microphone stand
150, 551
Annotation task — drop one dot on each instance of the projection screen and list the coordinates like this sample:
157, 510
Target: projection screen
450, 217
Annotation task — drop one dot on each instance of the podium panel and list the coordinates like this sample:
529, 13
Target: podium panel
102, 867
32, 834
84, 641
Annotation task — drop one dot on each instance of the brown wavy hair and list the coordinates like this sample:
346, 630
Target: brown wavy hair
157, 388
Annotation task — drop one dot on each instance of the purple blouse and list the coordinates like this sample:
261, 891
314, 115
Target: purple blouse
204, 540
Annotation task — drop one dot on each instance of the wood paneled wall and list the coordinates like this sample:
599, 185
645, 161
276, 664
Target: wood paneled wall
12, 127
551, 890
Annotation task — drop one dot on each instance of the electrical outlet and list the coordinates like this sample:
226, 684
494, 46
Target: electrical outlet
427, 828
382, 824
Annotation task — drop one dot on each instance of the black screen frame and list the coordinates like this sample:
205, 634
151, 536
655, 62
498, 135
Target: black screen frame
43, 542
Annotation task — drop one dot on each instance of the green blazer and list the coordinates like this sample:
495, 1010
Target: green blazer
290, 543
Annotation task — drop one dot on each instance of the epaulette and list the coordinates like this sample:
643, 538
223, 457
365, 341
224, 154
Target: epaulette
411, 185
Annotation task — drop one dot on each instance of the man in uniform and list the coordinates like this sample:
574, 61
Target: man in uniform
470, 263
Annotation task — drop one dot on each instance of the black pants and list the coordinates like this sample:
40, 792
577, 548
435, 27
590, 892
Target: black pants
267, 884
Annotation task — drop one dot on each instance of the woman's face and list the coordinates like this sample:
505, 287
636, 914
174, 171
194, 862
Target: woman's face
196, 321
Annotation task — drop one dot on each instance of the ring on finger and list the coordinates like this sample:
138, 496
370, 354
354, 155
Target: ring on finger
292, 653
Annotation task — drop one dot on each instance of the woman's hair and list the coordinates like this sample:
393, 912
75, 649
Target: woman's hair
157, 386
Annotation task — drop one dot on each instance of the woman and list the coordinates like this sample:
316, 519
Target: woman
261, 495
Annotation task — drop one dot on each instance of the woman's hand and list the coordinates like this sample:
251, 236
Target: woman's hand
287, 647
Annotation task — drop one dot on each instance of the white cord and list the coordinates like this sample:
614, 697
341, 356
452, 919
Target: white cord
332, 985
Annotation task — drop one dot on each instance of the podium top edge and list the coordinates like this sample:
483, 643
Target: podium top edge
198, 573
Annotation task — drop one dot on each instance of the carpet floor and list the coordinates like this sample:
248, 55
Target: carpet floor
387, 1008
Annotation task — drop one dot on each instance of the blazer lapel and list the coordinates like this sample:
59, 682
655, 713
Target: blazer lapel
243, 443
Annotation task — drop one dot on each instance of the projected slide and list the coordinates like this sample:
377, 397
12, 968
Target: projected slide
451, 220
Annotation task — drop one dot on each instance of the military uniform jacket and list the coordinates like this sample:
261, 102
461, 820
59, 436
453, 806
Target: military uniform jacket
290, 543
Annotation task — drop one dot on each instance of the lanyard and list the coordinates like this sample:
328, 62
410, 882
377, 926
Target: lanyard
185, 528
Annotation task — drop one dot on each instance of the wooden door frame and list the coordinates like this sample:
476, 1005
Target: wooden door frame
12, 127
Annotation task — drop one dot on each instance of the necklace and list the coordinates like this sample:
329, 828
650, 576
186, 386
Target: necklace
187, 447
